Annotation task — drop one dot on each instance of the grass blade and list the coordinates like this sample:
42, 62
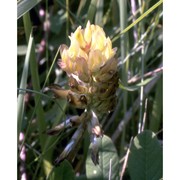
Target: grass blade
20, 100
99, 13
25, 6
91, 11
139, 19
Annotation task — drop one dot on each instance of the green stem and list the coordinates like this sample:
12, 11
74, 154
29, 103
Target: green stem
141, 24
123, 45
47, 37
67, 20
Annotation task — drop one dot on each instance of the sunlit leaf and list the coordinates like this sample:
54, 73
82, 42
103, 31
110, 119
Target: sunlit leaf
145, 158
108, 167
25, 5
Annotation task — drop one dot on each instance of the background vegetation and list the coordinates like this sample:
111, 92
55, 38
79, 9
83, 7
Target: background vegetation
135, 28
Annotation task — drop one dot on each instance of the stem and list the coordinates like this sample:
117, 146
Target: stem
133, 109
141, 104
47, 36
133, 9
123, 45
67, 20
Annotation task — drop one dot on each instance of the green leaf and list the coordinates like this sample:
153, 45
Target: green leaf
156, 115
64, 171
145, 158
24, 6
23, 84
91, 11
108, 167
99, 13
81, 177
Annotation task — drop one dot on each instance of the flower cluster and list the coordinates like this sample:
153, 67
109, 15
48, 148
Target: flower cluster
91, 66
92, 69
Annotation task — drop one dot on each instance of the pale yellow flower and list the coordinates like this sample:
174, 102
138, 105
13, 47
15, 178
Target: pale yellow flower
91, 65
90, 44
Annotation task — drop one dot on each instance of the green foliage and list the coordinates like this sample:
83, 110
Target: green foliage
145, 158
108, 166
64, 171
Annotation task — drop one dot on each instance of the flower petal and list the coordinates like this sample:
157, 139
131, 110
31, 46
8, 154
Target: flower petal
88, 33
82, 69
95, 60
